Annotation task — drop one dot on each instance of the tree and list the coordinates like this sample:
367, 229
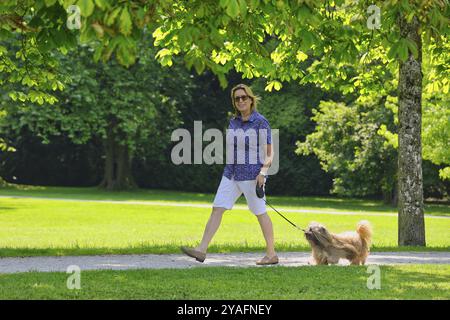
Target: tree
347, 143
345, 53
127, 110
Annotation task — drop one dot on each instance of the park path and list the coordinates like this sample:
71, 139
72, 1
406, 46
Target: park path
177, 261
199, 205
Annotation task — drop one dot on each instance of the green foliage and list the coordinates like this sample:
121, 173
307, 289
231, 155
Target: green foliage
435, 129
235, 33
347, 144
289, 111
102, 98
436, 132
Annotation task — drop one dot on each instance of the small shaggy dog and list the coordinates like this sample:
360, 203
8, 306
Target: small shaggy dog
328, 248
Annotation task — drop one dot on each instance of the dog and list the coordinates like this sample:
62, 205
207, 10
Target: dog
328, 248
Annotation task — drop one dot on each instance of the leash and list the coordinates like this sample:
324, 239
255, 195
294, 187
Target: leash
260, 194
303, 230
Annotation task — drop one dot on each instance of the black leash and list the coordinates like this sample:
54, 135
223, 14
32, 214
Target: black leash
260, 194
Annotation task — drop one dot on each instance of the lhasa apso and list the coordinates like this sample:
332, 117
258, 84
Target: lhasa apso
328, 248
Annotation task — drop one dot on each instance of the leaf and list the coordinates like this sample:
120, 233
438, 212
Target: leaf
243, 8
402, 51
112, 16
277, 85
13, 96
86, 7
222, 80
199, 66
392, 54
233, 8
412, 47
125, 24
5, 34
254, 4
163, 52
273, 85
97, 53
303, 13
98, 29
59, 37
102, 4
223, 3
307, 40
301, 56
49, 3
126, 51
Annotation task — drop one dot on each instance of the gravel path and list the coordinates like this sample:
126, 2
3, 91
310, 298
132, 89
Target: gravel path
155, 261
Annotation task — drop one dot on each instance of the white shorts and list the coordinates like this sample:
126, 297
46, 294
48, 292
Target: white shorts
230, 190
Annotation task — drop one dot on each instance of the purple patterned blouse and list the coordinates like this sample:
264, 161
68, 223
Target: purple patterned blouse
236, 166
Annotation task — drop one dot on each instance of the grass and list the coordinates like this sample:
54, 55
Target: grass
39, 227
320, 282
35, 227
310, 203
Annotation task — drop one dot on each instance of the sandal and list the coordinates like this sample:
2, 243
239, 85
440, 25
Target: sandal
198, 255
267, 261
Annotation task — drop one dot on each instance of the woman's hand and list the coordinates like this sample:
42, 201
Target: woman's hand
260, 180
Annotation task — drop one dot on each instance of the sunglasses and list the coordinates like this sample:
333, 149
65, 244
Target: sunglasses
243, 98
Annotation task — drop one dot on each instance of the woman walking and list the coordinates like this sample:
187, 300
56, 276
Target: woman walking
241, 177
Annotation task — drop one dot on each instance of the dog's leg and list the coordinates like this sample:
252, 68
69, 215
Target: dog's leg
355, 262
312, 261
317, 257
323, 261
334, 260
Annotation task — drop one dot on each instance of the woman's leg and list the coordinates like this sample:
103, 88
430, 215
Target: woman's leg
267, 229
211, 228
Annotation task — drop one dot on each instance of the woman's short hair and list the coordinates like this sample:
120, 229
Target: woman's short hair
249, 92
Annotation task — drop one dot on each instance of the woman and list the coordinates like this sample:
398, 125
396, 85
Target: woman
239, 177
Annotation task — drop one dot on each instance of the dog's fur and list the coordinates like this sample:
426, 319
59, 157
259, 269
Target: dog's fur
328, 248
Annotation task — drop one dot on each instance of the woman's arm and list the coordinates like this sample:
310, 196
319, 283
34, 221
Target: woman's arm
267, 163
268, 158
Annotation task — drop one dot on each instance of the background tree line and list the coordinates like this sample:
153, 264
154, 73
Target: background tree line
112, 128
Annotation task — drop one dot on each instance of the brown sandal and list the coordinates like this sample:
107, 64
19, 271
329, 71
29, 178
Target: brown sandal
198, 255
267, 261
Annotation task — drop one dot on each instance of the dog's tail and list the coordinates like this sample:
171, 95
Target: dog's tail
364, 229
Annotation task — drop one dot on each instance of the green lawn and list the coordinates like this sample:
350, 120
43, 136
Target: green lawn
319, 282
313, 203
31, 227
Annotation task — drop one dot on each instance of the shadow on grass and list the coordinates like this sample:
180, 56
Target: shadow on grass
419, 283
7, 208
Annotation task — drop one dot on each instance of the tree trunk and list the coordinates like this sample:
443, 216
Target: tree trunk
411, 224
117, 174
